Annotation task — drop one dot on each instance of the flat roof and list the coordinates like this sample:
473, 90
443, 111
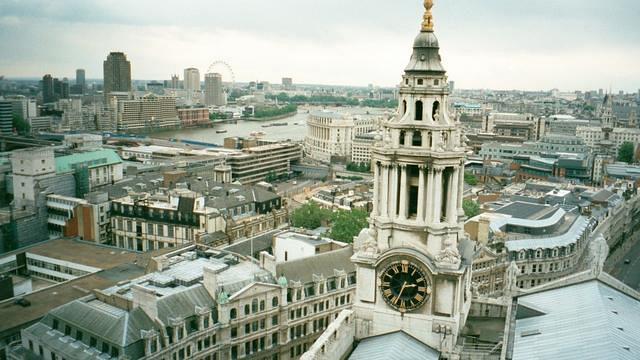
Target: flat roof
124, 267
81, 252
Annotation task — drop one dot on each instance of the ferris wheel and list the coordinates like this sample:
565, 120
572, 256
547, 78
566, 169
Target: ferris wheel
224, 69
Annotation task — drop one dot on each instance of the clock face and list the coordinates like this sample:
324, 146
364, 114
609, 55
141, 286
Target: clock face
404, 286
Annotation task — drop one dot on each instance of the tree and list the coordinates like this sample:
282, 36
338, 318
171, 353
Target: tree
345, 224
625, 153
470, 178
471, 208
20, 125
309, 216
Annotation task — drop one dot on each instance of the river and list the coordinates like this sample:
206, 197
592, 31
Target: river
243, 128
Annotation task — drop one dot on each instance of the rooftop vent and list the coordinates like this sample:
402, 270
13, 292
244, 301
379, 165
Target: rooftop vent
526, 333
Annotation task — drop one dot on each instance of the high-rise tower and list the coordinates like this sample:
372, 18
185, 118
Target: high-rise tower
192, 79
117, 73
213, 90
411, 275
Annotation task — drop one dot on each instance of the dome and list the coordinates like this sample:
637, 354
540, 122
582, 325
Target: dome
426, 55
426, 39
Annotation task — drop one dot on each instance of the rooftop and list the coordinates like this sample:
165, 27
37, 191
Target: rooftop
393, 346
601, 321
66, 164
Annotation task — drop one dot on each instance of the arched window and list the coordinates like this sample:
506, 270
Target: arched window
417, 139
404, 107
261, 305
435, 111
233, 313
274, 301
254, 305
538, 254
247, 310
402, 136
418, 110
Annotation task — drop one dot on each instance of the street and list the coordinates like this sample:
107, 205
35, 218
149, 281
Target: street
629, 273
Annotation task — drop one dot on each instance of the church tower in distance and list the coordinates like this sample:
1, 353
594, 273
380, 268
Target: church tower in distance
411, 272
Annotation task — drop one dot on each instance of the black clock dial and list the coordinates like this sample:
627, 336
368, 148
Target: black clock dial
404, 286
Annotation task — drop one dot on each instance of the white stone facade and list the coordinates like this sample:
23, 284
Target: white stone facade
330, 134
418, 166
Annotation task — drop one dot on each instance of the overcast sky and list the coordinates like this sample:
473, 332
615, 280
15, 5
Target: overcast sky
499, 44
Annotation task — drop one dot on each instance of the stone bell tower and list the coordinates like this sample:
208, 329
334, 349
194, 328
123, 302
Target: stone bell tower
416, 225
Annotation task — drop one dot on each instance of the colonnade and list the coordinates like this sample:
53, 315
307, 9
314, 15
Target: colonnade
439, 195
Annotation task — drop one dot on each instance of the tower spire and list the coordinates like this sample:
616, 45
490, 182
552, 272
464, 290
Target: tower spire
427, 19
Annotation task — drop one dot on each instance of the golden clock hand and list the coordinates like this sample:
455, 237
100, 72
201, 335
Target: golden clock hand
400, 294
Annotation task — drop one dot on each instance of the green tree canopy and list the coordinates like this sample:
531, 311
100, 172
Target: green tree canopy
470, 178
347, 223
20, 125
625, 153
309, 216
471, 208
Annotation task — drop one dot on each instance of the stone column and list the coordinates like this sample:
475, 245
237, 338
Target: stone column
393, 196
376, 187
452, 205
437, 191
383, 192
408, 138
421, 199
460, 190
429, 203
403, 193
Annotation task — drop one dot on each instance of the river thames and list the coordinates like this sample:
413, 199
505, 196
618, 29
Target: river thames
295, 130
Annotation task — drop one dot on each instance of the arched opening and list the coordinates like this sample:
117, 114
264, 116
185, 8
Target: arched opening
404, 107
418, 110
416, 140
402, 136
435, 113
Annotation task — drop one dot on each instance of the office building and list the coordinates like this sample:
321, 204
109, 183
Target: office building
48, 94
92, 169
80, 79
117, 73
6, 117
330, 134
213, 90
202, 303
191, 80
193, 116
256, 163
148, 113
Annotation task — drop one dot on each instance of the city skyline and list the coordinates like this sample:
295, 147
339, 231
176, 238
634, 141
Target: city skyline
575, 45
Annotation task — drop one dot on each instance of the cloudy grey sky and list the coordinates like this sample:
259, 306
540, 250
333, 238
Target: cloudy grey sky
500, 44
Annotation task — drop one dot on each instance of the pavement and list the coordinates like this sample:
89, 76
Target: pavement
629, 273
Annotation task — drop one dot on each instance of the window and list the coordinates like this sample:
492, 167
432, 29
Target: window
435, 113
254, 305
274, 320
234, 332
261, 305
420, 82
274, 301
418, 110
404, 106
416, 139
233, 313
247, 309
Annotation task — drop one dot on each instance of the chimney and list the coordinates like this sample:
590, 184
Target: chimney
210, 281
268, 262
145, 299
483, 230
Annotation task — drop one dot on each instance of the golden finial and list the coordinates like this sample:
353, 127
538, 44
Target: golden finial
427, 19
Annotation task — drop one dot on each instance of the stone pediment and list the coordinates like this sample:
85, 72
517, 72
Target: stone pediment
253, 289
